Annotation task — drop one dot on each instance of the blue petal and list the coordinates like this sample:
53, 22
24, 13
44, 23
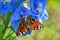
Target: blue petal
25, 11
15, 16
17, 0
20, 12
0, 7
6, 9
39, 12
34, 3
21, 0
24, 34
14, 24
28, 32
13, 7
43, 16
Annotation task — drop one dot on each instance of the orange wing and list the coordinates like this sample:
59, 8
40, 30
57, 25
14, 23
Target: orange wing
22, 27
37, 25
34, 24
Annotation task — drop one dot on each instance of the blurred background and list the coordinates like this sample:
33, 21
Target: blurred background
51, 31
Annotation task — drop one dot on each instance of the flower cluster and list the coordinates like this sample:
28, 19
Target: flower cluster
8, 5
24, 19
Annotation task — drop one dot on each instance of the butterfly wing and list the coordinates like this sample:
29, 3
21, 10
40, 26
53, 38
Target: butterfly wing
37, 25
34, 24
22, 29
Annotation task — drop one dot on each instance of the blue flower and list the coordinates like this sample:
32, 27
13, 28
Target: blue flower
38, 7
20, 12
18, 1
14, 4
8, 5
4, 8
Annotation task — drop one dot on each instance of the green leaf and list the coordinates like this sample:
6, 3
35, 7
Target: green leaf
9, 34
6, 21
11, 38
2, 28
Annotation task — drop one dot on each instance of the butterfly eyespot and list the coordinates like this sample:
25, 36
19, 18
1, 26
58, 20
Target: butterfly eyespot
37, 25
32, 20
21, 24
21, 31
17, 33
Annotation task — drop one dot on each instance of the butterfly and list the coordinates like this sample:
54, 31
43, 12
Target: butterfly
28, 23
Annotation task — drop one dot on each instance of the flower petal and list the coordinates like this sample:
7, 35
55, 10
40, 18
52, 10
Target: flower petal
20, 12
43, 16
34, 3
14, 24
17, 0
13, 7
5, 9
28, 32
15, 16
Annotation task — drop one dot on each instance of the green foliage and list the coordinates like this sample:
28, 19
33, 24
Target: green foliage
4, 27
11, 38
1, 28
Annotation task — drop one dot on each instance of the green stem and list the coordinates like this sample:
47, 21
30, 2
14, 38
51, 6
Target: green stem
6, 21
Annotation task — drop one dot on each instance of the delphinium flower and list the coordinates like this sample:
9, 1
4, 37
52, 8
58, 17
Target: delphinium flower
8, 5
4, 7
18, 18
15, 4
38, 7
